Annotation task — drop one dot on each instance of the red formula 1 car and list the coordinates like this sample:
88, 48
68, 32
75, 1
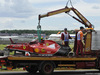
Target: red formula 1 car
35, 48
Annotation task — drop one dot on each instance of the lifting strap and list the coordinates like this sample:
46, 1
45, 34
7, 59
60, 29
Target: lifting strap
39, 31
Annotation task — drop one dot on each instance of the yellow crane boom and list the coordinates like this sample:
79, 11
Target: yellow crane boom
81, 19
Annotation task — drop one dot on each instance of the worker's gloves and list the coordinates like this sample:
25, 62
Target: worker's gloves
63, 42
83, 43
85, 34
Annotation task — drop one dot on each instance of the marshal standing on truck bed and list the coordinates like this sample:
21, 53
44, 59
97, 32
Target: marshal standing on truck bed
65, 37
80, 41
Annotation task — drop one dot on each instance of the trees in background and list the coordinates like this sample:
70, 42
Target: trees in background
19, 32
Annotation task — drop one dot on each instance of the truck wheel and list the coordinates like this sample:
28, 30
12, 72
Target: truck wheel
47, 68
32, 69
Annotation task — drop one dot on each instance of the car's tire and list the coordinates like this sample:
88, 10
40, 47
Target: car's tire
47, 68
1, 53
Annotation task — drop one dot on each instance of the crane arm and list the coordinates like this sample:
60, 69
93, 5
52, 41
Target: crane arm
81, 19
55, 12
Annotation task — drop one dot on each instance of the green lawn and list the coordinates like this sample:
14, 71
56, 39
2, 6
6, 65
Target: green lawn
17, 69
2, 46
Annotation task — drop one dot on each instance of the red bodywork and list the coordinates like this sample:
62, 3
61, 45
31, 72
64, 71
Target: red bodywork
45, 47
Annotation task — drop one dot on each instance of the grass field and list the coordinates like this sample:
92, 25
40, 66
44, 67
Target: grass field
2, 46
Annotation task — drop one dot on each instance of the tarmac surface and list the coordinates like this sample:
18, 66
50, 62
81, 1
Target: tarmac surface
55, 73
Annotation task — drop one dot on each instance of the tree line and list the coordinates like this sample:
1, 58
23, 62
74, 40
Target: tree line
47, 32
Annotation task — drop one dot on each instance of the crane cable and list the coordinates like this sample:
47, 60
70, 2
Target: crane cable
70, 3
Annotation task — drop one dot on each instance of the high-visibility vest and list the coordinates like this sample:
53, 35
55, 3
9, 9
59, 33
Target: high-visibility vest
66, 36
79, 35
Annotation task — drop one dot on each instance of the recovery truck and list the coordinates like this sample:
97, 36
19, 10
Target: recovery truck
42, 56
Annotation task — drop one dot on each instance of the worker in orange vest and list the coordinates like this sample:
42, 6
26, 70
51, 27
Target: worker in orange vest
80, 41
65, 37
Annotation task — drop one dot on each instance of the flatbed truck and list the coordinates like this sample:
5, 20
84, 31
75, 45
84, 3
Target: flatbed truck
46, 65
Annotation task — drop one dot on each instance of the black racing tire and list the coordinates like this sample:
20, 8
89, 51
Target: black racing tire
47, 68
1, 53
32, 69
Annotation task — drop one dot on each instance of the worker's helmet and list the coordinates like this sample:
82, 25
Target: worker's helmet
65, 29
41, 38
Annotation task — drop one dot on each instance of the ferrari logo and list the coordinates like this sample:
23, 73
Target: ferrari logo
47, 44
43, 50
24, 47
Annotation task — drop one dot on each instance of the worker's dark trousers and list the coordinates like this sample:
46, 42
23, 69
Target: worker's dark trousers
66, 43
79, 47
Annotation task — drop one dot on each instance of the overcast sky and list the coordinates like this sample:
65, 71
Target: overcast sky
23, 14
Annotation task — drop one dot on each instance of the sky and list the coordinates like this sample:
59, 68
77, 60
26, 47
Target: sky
23, 14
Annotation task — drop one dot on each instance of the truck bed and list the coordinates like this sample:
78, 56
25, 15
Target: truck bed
53, 58
12, 62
